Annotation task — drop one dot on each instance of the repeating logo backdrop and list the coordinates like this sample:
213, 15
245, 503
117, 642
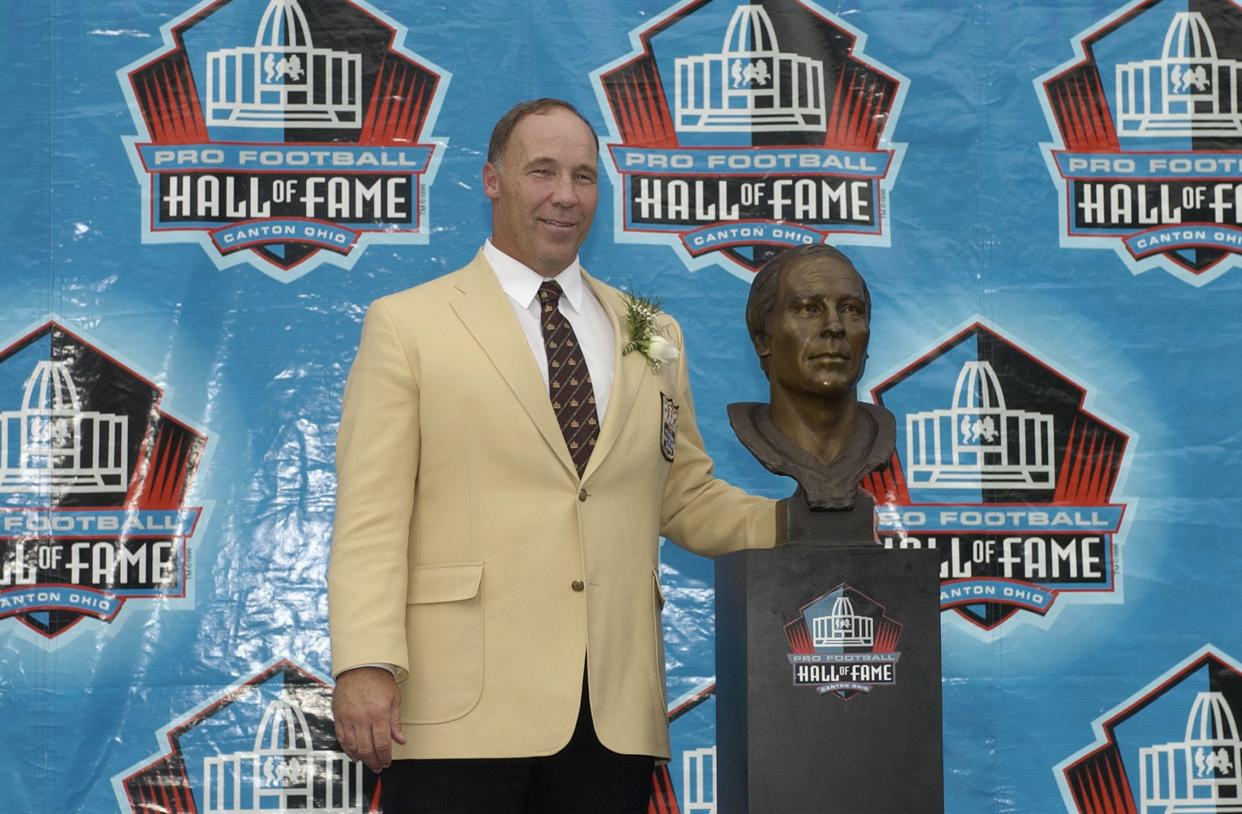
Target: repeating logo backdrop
1068, 433
1149, 127
730, 147
276, 131
93, 476
1001, 470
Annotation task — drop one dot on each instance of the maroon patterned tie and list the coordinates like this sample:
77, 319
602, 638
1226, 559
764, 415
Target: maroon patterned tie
569, 381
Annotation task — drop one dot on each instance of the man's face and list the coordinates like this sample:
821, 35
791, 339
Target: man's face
544, 190
818, 332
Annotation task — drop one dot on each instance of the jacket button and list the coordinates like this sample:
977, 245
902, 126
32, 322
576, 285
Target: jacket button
582, 495
577, 585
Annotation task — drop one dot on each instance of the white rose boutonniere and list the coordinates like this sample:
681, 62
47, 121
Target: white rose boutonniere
640, 319
660, 351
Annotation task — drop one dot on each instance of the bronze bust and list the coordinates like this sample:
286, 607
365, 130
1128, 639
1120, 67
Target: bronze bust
809, 317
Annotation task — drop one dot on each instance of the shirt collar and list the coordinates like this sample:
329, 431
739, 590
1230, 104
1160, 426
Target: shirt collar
521, 282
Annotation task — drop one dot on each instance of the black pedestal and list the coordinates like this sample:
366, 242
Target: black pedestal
828, 681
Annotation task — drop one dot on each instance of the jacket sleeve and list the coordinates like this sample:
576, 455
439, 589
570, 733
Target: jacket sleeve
701, 512
377, 465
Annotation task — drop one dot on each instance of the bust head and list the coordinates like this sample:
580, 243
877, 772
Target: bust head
809, 318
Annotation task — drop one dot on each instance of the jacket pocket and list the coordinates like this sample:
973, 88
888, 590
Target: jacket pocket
444, 632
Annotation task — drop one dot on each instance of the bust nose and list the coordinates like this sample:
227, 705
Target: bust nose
831, 324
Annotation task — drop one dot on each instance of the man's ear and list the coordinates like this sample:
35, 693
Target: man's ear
763, 348
491, 180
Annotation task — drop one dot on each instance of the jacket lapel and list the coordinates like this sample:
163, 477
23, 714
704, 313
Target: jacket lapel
630, 370
488, 316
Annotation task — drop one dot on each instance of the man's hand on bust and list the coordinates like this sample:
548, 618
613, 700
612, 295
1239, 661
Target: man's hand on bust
366, 707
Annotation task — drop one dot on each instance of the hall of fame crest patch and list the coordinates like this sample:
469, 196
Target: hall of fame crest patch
668, 427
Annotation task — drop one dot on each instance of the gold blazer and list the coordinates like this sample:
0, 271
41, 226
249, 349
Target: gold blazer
467, 551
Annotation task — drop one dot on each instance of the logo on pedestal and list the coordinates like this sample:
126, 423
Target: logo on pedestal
284, 133
730, 145
1139, 762
842, 643
1002, 470
263, 745
1147, 122
93, 476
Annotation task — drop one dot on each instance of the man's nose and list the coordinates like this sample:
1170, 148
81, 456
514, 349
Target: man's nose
563, 192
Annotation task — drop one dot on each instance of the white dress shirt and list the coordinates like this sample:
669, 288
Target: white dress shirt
579, 305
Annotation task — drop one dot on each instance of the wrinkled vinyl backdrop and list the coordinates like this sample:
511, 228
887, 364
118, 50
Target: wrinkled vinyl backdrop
201, 198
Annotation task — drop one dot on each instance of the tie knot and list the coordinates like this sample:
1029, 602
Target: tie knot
549, 292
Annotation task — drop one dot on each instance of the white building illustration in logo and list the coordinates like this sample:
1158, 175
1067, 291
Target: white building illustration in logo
283, 773
1188, 91
698, 771
52, 445
284, 80
1200, 774
979, 442
842, 627
750, 86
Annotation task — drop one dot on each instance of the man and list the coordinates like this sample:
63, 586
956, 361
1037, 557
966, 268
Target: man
809, 318
493, 593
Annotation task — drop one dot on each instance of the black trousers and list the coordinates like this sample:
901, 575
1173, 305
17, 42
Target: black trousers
583, 778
